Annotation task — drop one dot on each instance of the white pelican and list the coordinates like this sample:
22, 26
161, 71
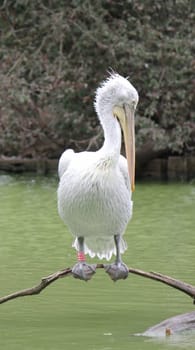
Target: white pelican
94, 193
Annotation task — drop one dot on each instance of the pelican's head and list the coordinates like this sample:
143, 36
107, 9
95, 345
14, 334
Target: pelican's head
118, 97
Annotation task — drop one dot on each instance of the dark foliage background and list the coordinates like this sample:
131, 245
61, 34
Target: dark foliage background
53, 55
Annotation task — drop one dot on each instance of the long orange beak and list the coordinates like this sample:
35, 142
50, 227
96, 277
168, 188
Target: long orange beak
128, 127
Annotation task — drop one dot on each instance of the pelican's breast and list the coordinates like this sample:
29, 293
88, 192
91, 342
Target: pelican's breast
93, 198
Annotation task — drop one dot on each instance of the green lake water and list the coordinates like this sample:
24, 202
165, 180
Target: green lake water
98, 315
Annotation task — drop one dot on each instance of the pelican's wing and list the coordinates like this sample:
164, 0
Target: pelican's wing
124, 170
64, 161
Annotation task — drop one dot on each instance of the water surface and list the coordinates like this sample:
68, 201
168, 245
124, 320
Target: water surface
100, 314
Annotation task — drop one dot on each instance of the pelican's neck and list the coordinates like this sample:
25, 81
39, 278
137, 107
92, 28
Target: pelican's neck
112, 136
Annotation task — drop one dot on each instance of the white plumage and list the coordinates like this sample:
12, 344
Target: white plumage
94, 193
95, 202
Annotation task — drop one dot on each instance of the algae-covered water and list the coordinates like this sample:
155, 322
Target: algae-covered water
98, 315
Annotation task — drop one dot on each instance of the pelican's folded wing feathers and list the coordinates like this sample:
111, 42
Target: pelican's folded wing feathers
64, 161
124, 170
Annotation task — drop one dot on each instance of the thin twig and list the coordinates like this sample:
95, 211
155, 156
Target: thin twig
20, 58
46, 281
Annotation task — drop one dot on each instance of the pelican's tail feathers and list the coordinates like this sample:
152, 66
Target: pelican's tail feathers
102, 247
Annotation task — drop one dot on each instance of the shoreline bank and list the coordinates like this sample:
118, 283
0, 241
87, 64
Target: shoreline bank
171, 168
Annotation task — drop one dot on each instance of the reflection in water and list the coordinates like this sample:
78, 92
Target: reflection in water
5, 180
99, 314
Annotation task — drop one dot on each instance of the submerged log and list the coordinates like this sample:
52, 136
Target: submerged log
177, 324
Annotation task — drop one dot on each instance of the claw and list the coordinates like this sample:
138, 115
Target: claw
83, 271
117, 271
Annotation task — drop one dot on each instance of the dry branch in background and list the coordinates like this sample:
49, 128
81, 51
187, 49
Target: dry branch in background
46, 281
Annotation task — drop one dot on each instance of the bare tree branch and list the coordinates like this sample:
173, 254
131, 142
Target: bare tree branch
46, 281
172, 282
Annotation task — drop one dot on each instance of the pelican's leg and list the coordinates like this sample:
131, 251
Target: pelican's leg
82, 270
118, 270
